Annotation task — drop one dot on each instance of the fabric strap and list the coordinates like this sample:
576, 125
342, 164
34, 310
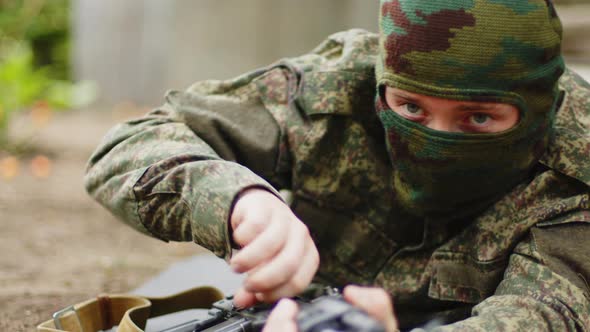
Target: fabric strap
131, 312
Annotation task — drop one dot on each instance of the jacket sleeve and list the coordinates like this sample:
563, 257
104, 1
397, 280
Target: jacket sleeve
174, 174
545, 287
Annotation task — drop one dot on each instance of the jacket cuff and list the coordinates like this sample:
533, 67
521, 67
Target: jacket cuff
212, 211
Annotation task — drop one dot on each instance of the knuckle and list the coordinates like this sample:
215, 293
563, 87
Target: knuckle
238, 238
302, 226
256, 285
267, 283
315, 258
301, 231
298, 285
257, 225
279, 278
306, 231
381, 298
290, 266
381, 293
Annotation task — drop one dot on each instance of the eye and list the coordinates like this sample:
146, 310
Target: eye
412, 109
479, 119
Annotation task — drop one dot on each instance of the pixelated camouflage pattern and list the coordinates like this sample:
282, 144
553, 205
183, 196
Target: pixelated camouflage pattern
522, 302
467, 49
149, 172
316, 132
567, 148
473, 49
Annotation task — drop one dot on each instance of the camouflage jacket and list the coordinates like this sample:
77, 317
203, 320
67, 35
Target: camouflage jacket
308, 124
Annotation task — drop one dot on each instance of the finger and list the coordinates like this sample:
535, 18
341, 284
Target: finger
252, 203
282, 267
244, 299
250, 228
282, 317
298, 283
261, 249
375, 301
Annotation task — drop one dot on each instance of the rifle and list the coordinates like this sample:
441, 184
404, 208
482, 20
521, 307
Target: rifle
326, 312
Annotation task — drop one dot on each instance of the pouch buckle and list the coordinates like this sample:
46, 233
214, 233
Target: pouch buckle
58, 314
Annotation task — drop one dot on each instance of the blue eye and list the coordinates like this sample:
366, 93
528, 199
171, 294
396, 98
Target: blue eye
413, 109
479, 118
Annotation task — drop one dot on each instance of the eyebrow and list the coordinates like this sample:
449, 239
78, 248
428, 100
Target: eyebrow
479, 107
461, 107
407, 97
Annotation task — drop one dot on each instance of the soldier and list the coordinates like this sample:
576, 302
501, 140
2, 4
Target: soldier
444, 161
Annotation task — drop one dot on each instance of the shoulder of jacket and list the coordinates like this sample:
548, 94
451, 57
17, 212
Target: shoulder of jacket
338, 76
569, 147
351, 50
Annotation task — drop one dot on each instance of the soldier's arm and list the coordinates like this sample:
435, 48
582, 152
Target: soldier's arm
174, 174
544, 288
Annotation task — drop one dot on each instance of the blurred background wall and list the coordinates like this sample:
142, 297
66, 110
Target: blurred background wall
137, 49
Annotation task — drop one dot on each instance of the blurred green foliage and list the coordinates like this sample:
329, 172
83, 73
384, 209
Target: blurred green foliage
34, 56
45, 26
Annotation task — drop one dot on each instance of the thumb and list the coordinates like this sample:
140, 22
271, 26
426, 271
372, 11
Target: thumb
375, 301
282, 317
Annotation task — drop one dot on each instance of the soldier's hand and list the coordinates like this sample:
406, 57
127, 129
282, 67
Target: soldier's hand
374, 301
277, 252
283, 317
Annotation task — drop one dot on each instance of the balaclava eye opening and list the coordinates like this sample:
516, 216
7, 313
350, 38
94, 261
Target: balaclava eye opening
478, 50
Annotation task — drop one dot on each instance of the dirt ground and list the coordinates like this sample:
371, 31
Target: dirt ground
57, 246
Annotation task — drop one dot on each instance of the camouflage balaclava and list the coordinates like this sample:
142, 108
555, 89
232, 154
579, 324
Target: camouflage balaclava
477, 50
